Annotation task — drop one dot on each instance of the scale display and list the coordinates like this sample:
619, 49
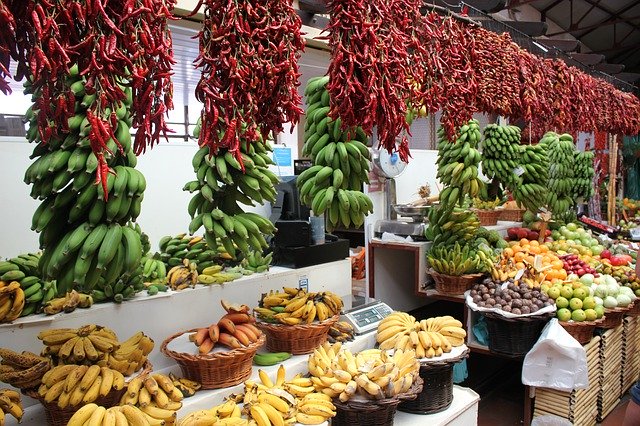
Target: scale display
366, 318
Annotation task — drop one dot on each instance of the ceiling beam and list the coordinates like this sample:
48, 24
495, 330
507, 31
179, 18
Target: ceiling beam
588, 58
564, 45
513, 4
614, 15
551, 6
609, 68
530, 28
594, 26
617, 48
313, 6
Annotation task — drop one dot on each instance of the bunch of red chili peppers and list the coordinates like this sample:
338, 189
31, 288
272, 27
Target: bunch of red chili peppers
248, 57
113, 43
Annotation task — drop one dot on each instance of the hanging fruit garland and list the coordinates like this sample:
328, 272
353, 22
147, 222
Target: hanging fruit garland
248, 57
114, 44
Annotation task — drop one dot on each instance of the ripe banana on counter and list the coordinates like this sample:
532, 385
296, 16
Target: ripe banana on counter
10, 403
333, 185
24, 270
337, 373
532, 192
155, 394
95, 415
22, 370
294, 306
428, 338
227, 413
184, 385
76, 385
12, 301
130, 356
500, 154
68, 303
224, 179
183, 276
87, 344
341, 331
458, 165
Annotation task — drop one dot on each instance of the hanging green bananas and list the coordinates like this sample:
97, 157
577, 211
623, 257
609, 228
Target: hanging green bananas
583, 175
500, 154
87, 239
532, 192
458, 165
333, 185
456, 261
446, 227
560, 150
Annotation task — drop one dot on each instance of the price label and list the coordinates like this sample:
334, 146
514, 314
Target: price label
518, 171
303, 283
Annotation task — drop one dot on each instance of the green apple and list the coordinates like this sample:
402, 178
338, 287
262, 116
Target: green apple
563, 314
566, 291
575, 304
578, 315
562, 302
591, 314
571, 226
553, 292
599, 310
580, 293
588, 303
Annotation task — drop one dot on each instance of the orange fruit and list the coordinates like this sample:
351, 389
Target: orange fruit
524, 242
519, 257
534, 243
508, 252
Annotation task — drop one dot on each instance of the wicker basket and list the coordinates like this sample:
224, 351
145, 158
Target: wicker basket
372, 413
634, 309
437, 387
215, 370
449, 284
512, 215
613, 317
514, 336
582, 331
57, 416
488, 217
296, 339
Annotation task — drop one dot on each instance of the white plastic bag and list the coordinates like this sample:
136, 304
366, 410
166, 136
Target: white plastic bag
556, 361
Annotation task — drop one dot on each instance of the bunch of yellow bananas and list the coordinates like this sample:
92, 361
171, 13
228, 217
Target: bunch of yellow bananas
225, 414
182, 276
428, 338
88, 343
75, 385
155, 395
10, 403
295, 306
131, 354
339, 374
12, 300
23, 371
95, 415
184, 385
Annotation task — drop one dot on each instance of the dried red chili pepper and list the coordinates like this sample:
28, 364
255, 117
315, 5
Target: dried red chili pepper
245, 93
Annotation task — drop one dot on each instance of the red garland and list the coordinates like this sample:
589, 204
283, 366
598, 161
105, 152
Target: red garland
370, 69
114, 43
248, 57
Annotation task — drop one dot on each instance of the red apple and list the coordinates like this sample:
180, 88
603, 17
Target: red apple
532, 235
606, 254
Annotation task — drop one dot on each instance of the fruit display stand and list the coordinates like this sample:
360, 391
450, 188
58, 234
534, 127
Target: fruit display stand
578, 406
610, 359
161, 315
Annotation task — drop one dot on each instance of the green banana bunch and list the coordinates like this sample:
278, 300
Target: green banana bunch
446, 227
583, 175
154, 270
86, 239
500, 154
333, 185
457, 260
173, 251
124, 288
532, 192
561, 153
458, 165
223, 182
24, 270
256, 262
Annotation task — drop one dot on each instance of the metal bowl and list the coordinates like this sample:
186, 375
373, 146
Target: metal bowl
415, 212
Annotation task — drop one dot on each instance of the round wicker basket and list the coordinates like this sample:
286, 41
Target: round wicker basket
450, 284
582, 331
216, 369
296, 339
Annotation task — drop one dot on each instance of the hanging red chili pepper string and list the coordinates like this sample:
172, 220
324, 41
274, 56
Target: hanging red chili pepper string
248, 57
114, 44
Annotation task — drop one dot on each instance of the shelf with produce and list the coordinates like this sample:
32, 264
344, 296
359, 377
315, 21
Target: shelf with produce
161, 315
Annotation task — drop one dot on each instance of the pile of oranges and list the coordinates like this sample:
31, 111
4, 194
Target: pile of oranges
522, 253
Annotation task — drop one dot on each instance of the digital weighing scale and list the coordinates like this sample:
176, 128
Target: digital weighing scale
365, 318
